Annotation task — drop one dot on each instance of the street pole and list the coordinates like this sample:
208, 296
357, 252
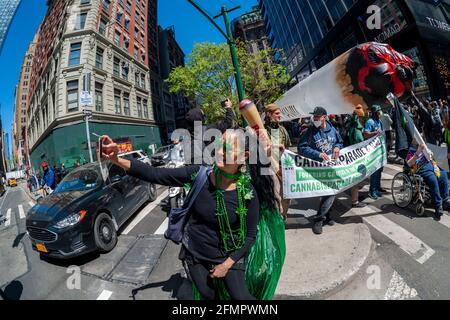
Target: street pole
87, 113
229, 36
234, 57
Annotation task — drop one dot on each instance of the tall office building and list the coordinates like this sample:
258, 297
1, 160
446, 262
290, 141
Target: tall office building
108, 40
8, 9
314, 32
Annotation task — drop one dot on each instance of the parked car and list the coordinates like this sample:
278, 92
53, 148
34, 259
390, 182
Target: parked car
12, 182
161, 156
84, 213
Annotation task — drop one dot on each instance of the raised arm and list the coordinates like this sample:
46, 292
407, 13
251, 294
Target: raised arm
138, 169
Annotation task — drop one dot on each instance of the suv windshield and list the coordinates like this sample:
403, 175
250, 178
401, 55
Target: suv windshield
79, 180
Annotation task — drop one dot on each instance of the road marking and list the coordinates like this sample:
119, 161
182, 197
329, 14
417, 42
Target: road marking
8, 217
105, 295
6, 193
21, 212
145, 212
408, 242
398, 289
163, 227
387, 176
393, 167
31, 203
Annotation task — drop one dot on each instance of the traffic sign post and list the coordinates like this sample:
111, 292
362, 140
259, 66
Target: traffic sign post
87, 102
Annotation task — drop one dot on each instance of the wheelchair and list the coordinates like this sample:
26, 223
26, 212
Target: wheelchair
409, 189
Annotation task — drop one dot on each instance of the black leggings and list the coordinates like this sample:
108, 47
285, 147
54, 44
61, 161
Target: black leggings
234, 281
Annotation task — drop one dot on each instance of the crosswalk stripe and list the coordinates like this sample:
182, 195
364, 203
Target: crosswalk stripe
163, 227
21, 212
105, 295
145, 212
8, 217
408, 242
394, 167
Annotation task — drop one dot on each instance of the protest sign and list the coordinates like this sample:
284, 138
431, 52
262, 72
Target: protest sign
306, 178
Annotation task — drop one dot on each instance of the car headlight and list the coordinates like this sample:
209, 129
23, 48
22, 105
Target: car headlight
71, 220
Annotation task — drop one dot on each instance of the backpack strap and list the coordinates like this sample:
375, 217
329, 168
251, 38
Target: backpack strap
199, 182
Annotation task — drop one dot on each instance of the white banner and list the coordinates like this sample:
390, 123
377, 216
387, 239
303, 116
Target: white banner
306, 178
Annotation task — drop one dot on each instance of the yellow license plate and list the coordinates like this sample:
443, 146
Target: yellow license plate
41, 248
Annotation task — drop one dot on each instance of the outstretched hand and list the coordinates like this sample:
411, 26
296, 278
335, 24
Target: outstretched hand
110, 149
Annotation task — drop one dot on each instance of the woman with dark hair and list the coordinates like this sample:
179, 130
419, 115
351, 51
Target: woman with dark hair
223, 220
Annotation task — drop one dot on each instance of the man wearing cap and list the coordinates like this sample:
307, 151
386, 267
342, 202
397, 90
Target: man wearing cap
373, 127
49, 176
279, 135
321, 142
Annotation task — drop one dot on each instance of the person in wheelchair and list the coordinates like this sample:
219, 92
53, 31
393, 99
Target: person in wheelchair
435, 177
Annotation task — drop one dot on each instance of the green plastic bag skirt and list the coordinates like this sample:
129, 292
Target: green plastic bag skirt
264, 261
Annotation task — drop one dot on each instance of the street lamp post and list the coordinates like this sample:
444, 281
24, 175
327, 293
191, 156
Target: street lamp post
229, 36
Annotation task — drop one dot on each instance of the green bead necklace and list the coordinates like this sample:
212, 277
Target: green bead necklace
232, 239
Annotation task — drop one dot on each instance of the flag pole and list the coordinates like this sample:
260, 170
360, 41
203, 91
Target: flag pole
427, 152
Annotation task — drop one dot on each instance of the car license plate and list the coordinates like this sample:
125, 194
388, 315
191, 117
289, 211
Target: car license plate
41, 248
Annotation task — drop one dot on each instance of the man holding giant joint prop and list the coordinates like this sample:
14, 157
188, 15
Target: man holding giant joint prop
321, 142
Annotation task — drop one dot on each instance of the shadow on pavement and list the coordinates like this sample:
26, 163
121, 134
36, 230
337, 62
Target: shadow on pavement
18, 239
13, 291
172, 285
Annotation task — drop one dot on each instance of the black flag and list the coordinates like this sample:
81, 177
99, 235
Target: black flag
404, 129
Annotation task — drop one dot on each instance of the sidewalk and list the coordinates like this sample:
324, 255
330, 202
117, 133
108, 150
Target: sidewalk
315, 265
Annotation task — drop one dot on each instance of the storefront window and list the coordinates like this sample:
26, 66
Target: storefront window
420, 83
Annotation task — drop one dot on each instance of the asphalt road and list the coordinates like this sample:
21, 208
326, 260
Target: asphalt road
410, 258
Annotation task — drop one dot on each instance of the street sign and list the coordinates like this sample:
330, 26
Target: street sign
86, 99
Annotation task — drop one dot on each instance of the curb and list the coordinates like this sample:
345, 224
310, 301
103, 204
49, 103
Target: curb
318, 265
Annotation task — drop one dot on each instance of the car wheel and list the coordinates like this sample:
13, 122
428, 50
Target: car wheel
152, 193
105, 234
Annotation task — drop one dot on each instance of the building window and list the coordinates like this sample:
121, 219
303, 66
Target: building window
106, 4
137, 79
102, 27
116, 67
139, 107
143, 81
72, 96
99, 58
145, 106
117, 38
136, 33
117, 101
85, 1
98, 96
126, 104
75, 50
124, 71
136, 52
126, 43
81, 21
119, 17
128, 6
127, 24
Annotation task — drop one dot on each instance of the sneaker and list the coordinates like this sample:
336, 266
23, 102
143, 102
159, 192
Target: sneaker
373, 195
329, 222
438, 213
317, 227
382, 190
446, 205
359, 205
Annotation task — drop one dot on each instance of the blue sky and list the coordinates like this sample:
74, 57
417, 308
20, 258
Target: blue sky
190, 27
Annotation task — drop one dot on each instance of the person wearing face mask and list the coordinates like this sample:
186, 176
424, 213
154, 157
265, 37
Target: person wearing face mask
321, 142
373, 127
